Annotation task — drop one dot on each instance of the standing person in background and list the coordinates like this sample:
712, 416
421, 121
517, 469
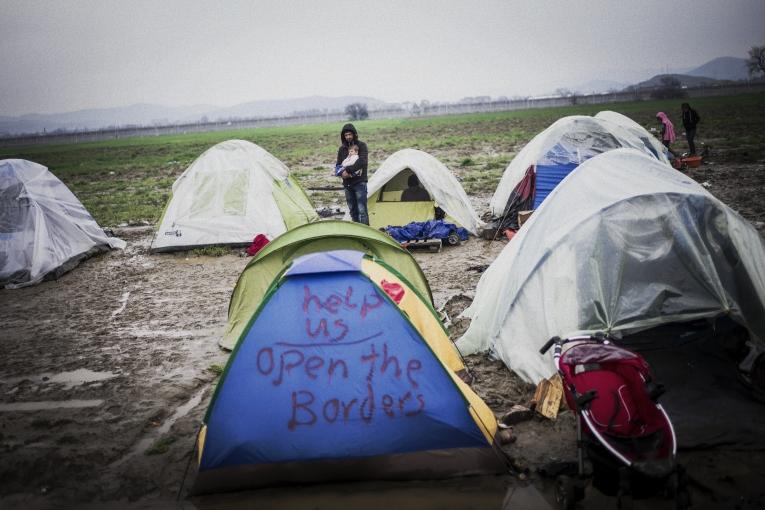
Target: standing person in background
355, 175
667, 130
690, 119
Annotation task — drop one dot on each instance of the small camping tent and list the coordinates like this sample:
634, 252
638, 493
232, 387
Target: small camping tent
621, 245
320, 236
334, 380
232, 192
655, 146
44, 230
552, 155
390, 182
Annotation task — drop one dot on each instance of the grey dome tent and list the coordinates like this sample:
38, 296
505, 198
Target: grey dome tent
44, 230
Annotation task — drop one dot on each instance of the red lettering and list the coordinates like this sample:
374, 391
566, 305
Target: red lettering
339, 324
387, 360
334, 363
402, 400
348, 305
332, 303
312, 364
387, 405
369, 404
309, 417
366, 306
347, 409
287, 366
372, 358
421, 400
321, 328
413, 366
270, 352
335, 404
309, 298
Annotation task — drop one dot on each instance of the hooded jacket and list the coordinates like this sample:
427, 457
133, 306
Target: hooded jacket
359, 169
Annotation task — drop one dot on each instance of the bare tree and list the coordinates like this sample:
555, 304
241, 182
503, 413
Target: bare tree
357, 111
756, 61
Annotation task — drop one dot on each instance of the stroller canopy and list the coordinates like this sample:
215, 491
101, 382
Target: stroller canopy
621, 245
44, 230
558, 150
389, 183
231, 193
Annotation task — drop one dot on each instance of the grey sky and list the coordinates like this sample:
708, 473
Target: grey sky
61, 56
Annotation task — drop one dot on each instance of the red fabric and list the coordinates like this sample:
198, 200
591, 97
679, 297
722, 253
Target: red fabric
509, 233
257, 244
394, 290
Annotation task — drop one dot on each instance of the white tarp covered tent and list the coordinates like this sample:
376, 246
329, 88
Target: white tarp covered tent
620, 245
444, 188
44, 230
232, 192
654, 145
566, 143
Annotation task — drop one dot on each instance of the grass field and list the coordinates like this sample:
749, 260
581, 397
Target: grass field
128, 181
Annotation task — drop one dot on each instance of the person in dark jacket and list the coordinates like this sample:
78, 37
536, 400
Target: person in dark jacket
355, 175
690, 119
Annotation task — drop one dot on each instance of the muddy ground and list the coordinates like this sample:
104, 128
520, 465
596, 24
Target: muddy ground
106, 373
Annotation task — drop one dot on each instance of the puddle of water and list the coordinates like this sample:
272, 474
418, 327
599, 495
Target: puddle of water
173, 333
48, 404
123, 303
68, 379
179, 413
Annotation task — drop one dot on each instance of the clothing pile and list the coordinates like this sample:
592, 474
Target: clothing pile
422, 230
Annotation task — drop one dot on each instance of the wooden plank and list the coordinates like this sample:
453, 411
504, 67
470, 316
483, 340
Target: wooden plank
548, 396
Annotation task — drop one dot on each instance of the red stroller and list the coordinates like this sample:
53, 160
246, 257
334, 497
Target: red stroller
622, 430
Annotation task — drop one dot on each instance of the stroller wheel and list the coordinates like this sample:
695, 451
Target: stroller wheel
566, 492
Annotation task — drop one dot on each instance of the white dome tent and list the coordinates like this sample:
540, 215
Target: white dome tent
390, 180
45, 230
654, 145
621, 245
232, 192
556, 151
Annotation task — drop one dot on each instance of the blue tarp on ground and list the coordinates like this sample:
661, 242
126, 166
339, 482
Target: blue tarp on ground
422, 230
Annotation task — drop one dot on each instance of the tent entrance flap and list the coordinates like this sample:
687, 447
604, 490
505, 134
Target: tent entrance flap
386, 214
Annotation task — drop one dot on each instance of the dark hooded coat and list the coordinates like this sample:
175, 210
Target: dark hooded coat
359, 169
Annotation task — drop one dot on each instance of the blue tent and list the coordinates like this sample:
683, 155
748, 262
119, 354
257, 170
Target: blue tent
332, 381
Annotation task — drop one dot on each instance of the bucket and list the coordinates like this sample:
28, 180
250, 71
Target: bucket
692, 161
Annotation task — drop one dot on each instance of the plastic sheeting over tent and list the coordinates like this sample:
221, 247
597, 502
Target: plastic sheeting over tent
320, 236
44, 230
621, 245
232, 192
651, 142
350, 388
390, 180
557, 150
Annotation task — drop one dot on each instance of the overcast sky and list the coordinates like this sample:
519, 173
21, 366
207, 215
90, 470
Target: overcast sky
59, 56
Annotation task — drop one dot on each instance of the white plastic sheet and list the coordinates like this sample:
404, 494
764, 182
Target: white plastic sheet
43, 227
622, 244
434, 176
573, 139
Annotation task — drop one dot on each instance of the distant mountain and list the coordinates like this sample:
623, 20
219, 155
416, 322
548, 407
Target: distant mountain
684, 79
722, 68
149, 114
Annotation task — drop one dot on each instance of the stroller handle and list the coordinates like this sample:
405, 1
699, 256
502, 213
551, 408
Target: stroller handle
548, 344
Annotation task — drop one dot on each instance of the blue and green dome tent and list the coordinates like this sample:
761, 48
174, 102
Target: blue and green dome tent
333, 379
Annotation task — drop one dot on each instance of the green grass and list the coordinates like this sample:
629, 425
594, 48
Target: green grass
211, 251
129, 180
161, 446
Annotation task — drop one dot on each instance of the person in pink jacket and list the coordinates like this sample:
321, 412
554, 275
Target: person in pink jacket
667, 130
